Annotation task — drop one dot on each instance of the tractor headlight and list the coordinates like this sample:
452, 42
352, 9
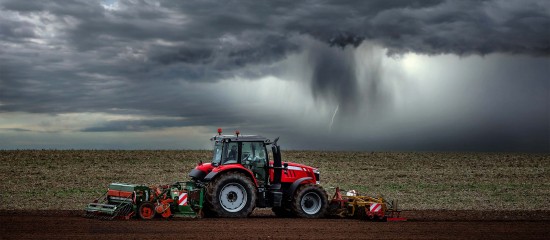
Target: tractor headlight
317, 176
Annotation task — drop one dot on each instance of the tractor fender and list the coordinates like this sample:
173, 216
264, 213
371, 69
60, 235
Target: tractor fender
210, 176
197, 174
290, 191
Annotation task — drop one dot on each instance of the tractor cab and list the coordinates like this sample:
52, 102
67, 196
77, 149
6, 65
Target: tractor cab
248, 151
241, 177
243, 153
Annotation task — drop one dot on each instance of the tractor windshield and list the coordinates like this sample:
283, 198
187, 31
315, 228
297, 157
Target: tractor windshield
217, 154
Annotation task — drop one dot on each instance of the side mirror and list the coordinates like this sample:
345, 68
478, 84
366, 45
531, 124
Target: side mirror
285, 165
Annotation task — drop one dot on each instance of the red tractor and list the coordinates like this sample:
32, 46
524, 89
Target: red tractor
242, 177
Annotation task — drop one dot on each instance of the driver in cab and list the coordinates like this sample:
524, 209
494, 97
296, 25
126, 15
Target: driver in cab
233, 153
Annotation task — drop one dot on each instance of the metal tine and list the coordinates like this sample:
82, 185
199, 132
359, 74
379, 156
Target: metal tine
124, 208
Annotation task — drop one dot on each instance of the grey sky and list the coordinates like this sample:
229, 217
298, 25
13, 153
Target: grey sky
404, 75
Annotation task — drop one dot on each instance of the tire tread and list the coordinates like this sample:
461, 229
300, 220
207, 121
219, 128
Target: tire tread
304, 188
212, 207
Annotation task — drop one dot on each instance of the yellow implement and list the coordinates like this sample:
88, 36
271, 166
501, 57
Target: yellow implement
363, 207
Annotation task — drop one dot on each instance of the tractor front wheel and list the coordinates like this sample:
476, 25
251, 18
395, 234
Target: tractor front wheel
310, 201
231, 195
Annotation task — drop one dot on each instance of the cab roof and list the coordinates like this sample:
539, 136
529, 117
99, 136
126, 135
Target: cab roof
241, 138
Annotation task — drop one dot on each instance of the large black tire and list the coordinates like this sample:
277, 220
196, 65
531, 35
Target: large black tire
231, 195
282, 212
310, 201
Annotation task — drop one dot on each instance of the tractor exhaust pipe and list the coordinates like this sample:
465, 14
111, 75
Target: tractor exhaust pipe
275, 188
277, 167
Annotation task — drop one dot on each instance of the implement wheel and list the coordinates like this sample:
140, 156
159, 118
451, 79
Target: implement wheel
231, 195
146, 211
310, 201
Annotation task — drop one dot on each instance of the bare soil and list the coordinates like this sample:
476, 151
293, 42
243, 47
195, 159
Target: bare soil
51, 224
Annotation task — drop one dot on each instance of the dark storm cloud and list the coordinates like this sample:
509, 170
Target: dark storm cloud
251, 122
421, 26
136, 125
81, 9
211, 41
15, 31
462, 27
203, 40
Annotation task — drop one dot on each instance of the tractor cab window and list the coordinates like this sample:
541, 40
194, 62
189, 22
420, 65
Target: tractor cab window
253, 152
231, 151
217, 158
253, 157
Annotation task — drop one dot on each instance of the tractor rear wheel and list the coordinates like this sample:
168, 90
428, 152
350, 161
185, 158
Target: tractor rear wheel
231, 195
310, 201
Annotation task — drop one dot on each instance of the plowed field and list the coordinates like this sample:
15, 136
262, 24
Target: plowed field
43, 193
263, 225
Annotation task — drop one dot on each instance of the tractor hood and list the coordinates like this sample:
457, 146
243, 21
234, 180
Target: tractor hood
294, 171
296, 166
